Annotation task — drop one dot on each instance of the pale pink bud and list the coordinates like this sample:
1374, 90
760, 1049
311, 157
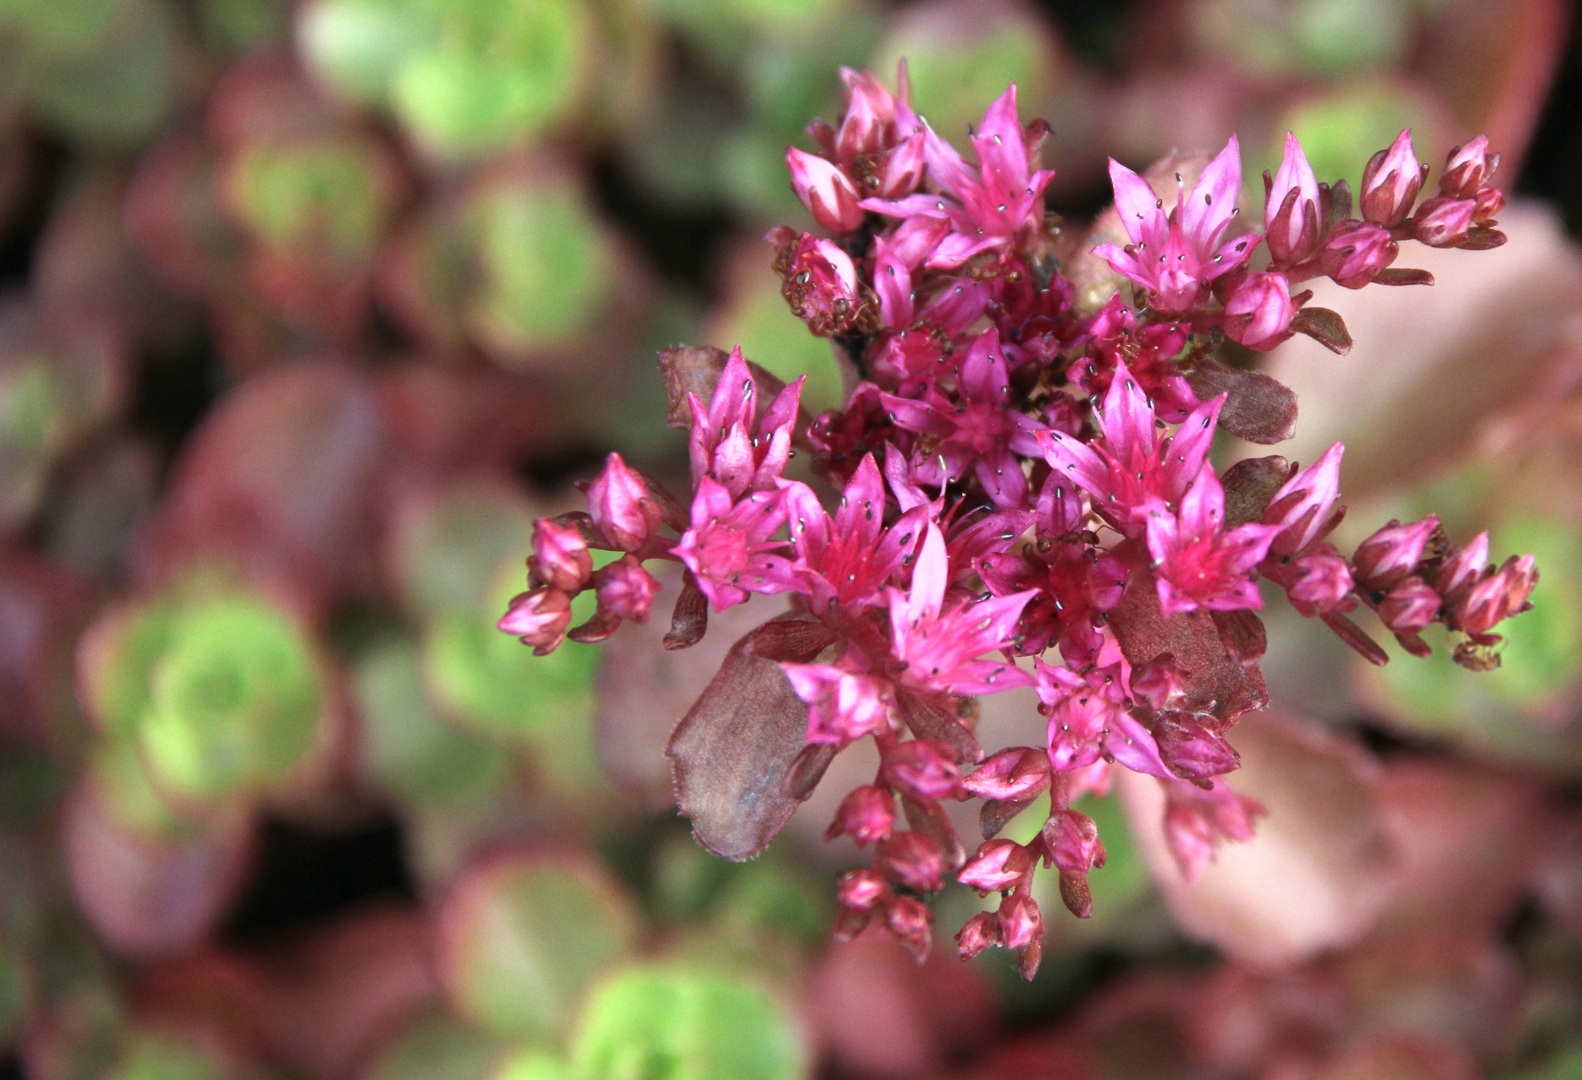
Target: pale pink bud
1468, 168
980, 932
626, 590
1010, 776
1192, 751
860, 890
997, 866
915, 860
620, 505
1303, 506
1292, 214
910, 920
867, 815
1259, 313
1498, 596
1072, 840
1444, 222
1020, 921
1355, 253
1191, 839
903, 170
1390, 182
829, 196
560, 555
539, 618
1490, 202
1318, 582
1392, 553
1409, 607
925, 768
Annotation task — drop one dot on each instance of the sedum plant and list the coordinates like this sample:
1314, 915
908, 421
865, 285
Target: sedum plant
1023, 497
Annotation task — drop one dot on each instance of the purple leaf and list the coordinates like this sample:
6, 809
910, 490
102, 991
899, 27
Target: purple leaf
1249, 485
1257, 408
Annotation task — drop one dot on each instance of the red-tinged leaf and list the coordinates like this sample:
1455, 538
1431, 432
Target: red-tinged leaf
1353, 635
929, 717
1249, 485
597, 629
1257, 408
1216, 681
1077, 896
995, 814
1325, 327
1482, 238
732, 752
689, 619
690, 369
1400, 275
1243, 634
806, 770
795, 640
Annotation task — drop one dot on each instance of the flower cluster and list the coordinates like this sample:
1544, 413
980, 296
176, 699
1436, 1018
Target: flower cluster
1024, 499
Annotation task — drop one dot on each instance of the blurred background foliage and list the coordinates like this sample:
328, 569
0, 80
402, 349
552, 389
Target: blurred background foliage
309, 309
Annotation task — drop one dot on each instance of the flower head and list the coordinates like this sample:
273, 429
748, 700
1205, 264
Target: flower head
729, 547
1198, 563
730, 443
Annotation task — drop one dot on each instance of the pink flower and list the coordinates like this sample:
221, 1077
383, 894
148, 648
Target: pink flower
1468, 169
1293, 218
1134, 464
940, 645
1198, 821
988, 209
730, 443
626, 590
560, 555
1175, 257
1316, 581
622, 508
979, 431
1392, 553
539, 618
1444, 222
1355, 253
1259, 313
1148, 354
1390, 182
867, 815
842, 706
821, 285
1089, 720
1197, 562
827, 193
729, 547
998, 865
850, 558
1303, 508
880, 142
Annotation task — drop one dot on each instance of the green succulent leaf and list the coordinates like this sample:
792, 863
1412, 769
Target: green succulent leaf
322, 196
676, 1023
157, 1057
437, 1045
524, 936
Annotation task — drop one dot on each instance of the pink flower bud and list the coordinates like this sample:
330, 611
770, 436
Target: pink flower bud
539, 618
829, 196
910, 920
1444, 222
998, 865
1020, 921
903, 170
1497, 597
1468, 168
1490, 202
925, 768
1303, 506
1318, 582
821, 287
1011, 775
1409, 607
1292, 214
978, 933
1191, 839
841, 706
1462, 567
626, 590
1355, 253
1390, 182
1157, 683
560, 555
860, 890
1192, 751
1072, 840
619, 503
1259, 313
915, 860
867, 815
1392, 553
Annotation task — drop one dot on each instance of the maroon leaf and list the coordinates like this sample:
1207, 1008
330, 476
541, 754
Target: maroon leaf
1325, 327
995, 814
806, 770
1217, 682
794, 640
733, 750
928, 718
1257, 408
690, 617
1243, 634
690, 369
1249, 485
1400, 275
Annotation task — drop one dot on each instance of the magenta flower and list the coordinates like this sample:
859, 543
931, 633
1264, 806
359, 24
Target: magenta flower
1089, 720
880, 141
847, 560
734, 446
1014, 775
1292, 216
1175, 257
1197, 821
1258, 313
989, 208
842, 706
1148, 353
826, 192
729, 547
941, 645
976, 433
560, 555
1393, 552
821, 285
1390, 182
621, 506
539, 618
1198, 563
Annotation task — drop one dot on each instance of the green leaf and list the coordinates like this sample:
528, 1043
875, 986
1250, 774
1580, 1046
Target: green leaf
319, 196
160, 1057
236, 700
535, 1065
115, 660
524, 936
408, 751
357, 46
437, 1046
667, 1023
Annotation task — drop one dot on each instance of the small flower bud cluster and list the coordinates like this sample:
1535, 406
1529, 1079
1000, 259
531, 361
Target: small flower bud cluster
1018, 493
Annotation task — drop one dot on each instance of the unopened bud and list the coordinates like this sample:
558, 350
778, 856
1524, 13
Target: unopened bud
925, 768
620, 505
1390, 182
1392, 553
827, 193
867, 815
1259, 313
539, 618
1292, 214
1444, 222
1468, 168
1021, 924
1011, 775
860, 890
626, 590
997, 866
980, 932
1409, 607
1072, 840
560, 555
915, 860
1355, 253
